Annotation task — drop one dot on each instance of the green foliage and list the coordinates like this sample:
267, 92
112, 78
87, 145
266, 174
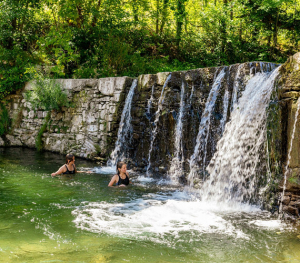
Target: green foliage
93, 39
47, 94
38, 140
19, 29
12, 70
4, 120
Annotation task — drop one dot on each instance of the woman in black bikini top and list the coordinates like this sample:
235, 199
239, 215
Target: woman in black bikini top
121, 178
68, 171
69, 167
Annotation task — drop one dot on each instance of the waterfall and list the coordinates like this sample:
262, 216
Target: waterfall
204, 128
176, 170
289, 156
157, 115
234, 169
125, 129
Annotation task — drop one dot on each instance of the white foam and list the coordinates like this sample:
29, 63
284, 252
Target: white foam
153, 217
105, 170
270, 224
144, 179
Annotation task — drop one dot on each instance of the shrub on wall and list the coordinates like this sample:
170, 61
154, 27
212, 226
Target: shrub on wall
47, 94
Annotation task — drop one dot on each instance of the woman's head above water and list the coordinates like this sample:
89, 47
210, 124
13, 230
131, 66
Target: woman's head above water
70, 158
121, 167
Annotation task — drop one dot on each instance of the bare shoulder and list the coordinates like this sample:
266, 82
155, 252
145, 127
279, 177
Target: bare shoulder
63, 168
113, 180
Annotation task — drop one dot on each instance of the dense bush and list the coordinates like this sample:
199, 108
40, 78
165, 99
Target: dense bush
93, 39
13, 74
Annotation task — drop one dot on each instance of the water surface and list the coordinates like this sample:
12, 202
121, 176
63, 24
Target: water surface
80, 219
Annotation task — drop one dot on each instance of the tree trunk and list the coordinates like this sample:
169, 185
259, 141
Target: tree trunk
94, 21
164, 15
275, 35
80, 15
135, 9
157, 17
223, 28
179, 20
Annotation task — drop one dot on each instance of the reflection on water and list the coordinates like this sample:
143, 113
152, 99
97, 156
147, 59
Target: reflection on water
80, 219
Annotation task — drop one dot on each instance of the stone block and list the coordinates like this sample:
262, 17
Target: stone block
295, 197
31, 114
161, 77
291, 210
108, 86
15, 106
103, 114
77, 121
90, 118
110, 118
84, 105
92, 128
40, 114
79, 137
13, 141
295, 203
112, 109
291, 94
116, 97
286, 200
105, 99
25, 113
92, 105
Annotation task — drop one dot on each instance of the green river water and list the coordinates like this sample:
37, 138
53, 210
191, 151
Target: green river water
80, 219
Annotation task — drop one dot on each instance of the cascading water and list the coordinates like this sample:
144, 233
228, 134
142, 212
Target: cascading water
234, 169
204, 128
125, 129
289, 156
176, 170
157, 115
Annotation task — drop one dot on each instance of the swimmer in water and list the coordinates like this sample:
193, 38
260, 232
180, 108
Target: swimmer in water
121, 178
69, 167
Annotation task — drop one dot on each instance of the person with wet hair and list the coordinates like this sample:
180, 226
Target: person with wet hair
121, 178
69, 167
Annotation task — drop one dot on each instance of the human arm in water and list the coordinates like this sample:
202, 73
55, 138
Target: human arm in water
87, 172
114, 180
61, 170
